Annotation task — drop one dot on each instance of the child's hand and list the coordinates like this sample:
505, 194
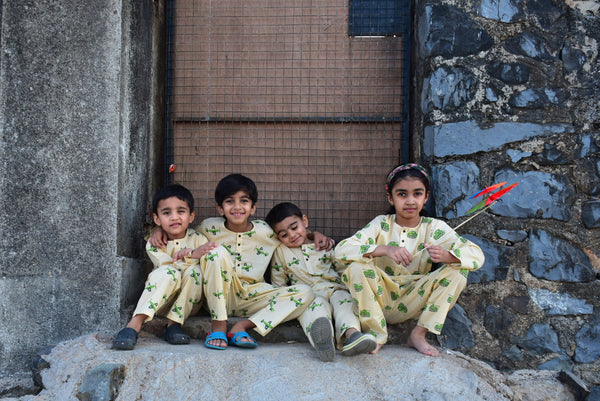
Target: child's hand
322, 242
158, 238
440, 255
203, 249
399, 255
182, 254
195, 253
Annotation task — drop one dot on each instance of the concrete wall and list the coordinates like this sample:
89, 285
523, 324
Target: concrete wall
76, 83
508, 91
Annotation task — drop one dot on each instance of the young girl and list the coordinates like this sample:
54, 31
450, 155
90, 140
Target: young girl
387, 264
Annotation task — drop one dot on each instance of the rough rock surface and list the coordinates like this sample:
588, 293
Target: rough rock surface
156, 370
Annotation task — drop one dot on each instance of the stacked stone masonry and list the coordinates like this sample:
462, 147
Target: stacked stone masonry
508, 91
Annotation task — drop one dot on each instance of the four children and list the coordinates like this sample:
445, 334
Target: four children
385, 268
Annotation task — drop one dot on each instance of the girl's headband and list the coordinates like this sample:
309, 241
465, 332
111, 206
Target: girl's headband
409, 166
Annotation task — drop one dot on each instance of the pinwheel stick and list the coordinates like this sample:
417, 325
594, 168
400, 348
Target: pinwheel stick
475, 215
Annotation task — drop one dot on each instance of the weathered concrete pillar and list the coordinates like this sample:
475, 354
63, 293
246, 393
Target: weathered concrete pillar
76, 84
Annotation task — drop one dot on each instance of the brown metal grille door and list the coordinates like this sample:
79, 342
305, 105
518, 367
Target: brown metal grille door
278, 91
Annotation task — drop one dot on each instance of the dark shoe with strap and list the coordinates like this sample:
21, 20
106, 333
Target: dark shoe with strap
174, 334
125, 339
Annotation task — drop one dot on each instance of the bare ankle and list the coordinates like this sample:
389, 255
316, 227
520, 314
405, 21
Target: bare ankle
218, 325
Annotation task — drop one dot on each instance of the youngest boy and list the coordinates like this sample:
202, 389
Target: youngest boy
175, 285
297, 261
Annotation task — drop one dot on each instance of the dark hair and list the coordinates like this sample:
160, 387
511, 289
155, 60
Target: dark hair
407, 171
234, 183
282, 211
173, 190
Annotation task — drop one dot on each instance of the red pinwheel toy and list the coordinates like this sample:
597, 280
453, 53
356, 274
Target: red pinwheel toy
488, 199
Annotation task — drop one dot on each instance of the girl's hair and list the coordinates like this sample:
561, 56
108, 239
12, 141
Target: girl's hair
282, 211
410, 170
233, 183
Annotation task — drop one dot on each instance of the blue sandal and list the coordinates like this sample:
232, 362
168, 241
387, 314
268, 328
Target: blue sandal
217, 335
236, 339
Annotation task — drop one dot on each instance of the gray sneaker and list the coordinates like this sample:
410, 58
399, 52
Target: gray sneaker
359, 343
321, 335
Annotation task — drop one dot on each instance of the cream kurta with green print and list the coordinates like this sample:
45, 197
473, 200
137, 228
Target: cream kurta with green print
306, 265
387, 292
251, 251
234, 277
173, 285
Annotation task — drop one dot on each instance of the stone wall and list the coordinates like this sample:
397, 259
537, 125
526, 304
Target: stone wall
76, 84
507, 90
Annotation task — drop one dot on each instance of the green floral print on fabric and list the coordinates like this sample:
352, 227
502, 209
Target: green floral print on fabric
385, 226
369, 273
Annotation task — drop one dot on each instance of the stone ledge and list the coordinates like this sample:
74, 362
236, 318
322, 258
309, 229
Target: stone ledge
197, 327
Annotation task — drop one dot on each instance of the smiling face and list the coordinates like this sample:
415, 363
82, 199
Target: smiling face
237, 210
174, 217
408, 196
291, 231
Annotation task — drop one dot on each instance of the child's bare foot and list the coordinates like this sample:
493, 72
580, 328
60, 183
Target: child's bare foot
418, 341
379, 346
242, 327
218, 342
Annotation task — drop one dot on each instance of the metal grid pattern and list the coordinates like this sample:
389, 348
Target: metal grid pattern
278, 91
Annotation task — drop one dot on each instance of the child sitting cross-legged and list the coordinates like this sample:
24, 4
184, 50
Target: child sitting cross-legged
174, 287
297, 261
387, 265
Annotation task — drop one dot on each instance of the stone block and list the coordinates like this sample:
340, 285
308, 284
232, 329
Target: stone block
453, 183
447, 31
502, 10
512, 235
529, 45
496, 263
590, 214
102, 383
559, 303
554, 259
498, 321
467, 137
588, 343
539, 339
457, 333
539, 194
447, 89
509, 73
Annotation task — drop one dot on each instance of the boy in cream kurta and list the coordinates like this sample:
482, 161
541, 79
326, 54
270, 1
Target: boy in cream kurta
234, 274
298, 261
174, 287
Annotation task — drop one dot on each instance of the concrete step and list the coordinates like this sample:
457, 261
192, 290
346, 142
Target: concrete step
197, 327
